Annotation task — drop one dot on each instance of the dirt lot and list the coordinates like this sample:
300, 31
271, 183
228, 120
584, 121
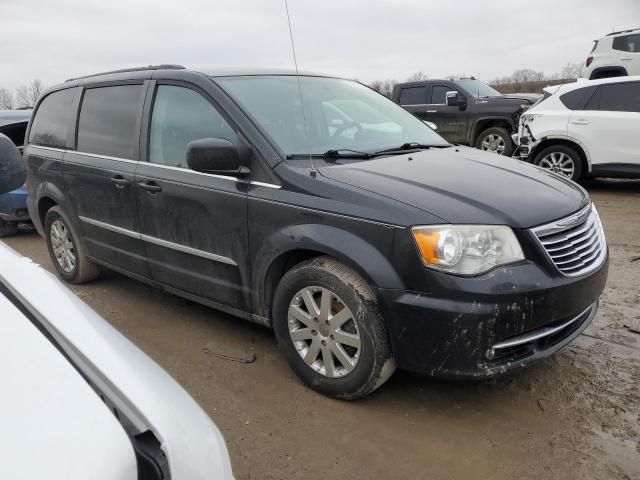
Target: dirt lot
576, 415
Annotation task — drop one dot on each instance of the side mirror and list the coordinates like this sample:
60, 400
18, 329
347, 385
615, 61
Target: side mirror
431, 125
216, 156
454, 99
13, 171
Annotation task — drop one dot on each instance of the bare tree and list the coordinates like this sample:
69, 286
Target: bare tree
35, 89
385, 87
6, 99
22, 97
417, 76
572, 70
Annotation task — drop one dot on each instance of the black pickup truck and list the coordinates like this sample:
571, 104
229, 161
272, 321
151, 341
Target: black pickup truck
466, 111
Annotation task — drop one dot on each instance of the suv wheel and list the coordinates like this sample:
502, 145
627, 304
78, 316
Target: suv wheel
8, 229
330, 329
496, 140
560, 159
68, 254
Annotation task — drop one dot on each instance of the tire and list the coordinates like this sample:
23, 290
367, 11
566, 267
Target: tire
8, 229
366, 340
81, 270
496, 140
561, 159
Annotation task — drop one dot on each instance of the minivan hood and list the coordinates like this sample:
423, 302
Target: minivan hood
467, 186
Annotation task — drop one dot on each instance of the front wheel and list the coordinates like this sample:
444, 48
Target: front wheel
495, 140
560, 159
330, 329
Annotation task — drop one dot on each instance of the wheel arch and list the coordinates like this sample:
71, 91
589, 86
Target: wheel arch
550, 141
482, 123
608, 72
303, 242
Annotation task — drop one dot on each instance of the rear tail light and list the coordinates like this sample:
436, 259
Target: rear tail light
589, 60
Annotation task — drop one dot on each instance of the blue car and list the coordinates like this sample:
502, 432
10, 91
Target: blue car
13, 205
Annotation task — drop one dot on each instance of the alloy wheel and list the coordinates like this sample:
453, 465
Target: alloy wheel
324, 332
63, 248
558, 162
493, 143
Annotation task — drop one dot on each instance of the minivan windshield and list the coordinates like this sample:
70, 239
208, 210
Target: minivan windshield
477, 88
340, 115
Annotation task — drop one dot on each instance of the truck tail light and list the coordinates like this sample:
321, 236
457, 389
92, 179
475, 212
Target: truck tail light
589, 60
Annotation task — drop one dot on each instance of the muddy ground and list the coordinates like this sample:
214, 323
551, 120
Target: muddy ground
573, 416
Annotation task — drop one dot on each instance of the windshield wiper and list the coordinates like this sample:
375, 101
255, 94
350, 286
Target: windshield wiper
332, 154
408, 146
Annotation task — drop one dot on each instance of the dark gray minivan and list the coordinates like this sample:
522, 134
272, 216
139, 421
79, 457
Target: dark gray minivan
319, 207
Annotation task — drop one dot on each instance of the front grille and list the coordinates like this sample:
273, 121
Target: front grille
576, 245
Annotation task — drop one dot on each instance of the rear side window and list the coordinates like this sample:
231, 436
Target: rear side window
576, 99
108, 121
439, 94
620, 97
51, 122
627, 43
413, 95
181, 115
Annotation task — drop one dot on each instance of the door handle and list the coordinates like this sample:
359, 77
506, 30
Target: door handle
626, 58
120, 181
580, 121
432, 111
151, 187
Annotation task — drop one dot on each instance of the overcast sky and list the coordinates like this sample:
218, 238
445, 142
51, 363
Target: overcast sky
366, 39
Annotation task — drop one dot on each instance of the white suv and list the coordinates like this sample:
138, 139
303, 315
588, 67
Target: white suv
616, 55
588, 128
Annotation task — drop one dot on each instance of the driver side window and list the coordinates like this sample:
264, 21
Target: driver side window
439, 94
181, 115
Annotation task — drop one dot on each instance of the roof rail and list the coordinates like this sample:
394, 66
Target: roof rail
623, 31
136, 69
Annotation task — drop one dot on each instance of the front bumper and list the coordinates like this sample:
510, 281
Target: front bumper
486, 326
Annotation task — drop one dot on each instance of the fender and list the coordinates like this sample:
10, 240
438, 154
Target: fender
342, 245
50, 190
474, 131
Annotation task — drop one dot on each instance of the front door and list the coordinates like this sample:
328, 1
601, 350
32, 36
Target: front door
451, 121
99, 174
194, 225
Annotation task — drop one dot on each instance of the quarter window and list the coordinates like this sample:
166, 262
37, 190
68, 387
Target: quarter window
620, 97
181, 115
51, 122
108, 121
627, 43
439, 94
413, 95
575, 99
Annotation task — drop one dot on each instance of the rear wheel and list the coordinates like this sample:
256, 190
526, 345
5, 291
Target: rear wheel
330, 329
68, 254
495, 140
8, 229
560, 159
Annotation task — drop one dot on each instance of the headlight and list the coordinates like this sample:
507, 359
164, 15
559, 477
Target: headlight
467, 249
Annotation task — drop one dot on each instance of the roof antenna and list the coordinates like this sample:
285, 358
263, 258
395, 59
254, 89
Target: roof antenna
312, 173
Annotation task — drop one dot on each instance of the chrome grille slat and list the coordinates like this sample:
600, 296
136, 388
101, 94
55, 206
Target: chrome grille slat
576, 245
574, 249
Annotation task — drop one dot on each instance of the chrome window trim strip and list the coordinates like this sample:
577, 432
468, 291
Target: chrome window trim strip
158, 165
159, 241
105, 157
538, 334
52, 149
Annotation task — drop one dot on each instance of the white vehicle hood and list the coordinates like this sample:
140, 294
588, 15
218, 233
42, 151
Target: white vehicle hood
142, 392
53, 424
